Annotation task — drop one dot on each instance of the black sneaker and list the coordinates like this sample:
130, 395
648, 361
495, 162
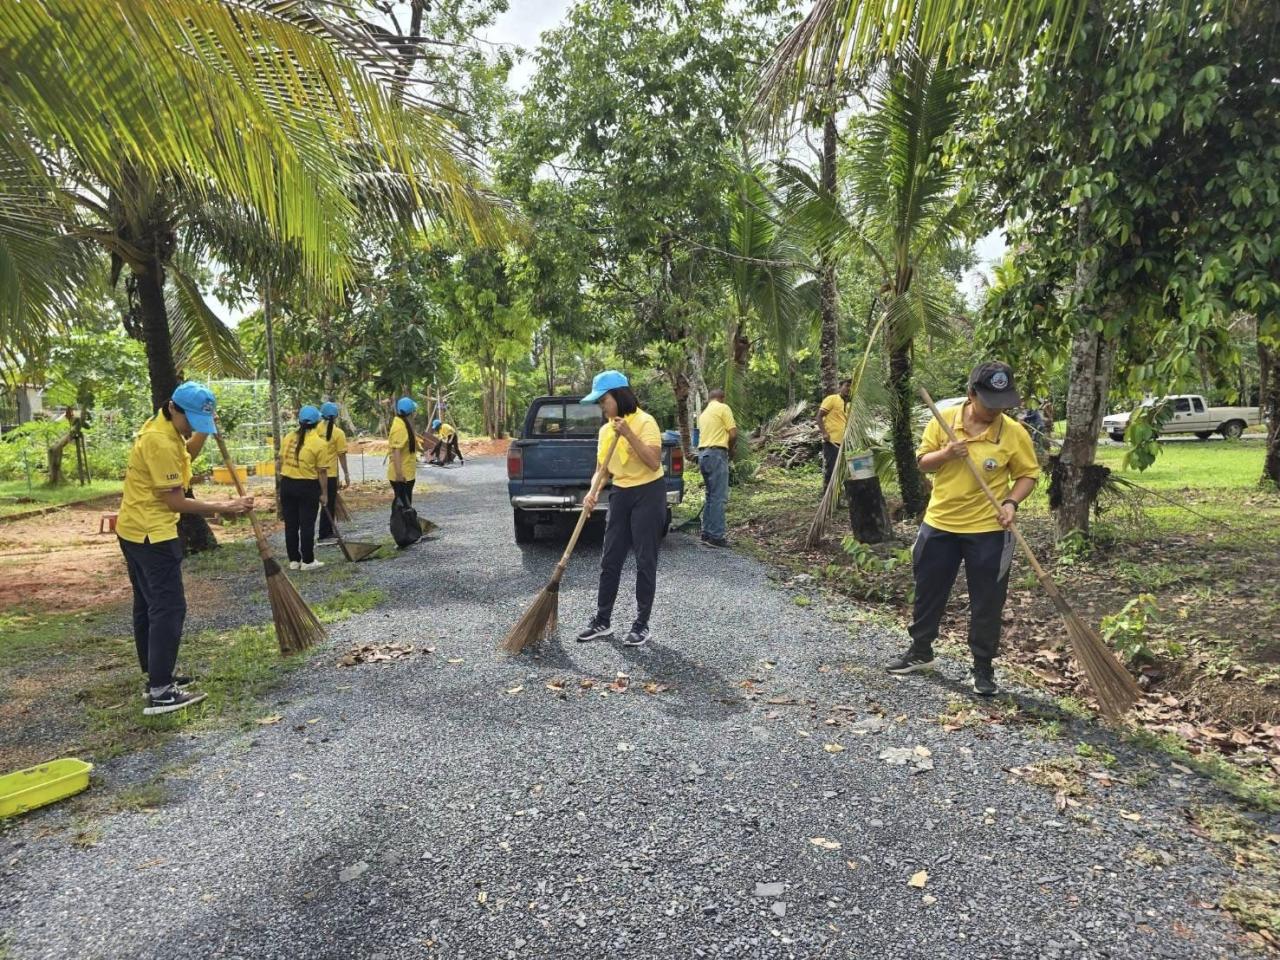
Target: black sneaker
720, 542
179, 680
984, 680
170, 700
638, 637
912, 661
595, 631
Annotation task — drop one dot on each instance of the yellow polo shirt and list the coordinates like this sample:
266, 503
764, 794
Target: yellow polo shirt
714, 424
837, 417
158, 461
446, 431
398, 439
1002, 453
304, 464
337, 444
628, 470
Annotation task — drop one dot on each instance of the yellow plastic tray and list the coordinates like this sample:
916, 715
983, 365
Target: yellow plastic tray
223, 475
265, 468
35, 786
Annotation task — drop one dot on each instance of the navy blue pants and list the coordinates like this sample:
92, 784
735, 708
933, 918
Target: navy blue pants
636, 518
830, 453
936, 561
326, 525
159, 605
300, 502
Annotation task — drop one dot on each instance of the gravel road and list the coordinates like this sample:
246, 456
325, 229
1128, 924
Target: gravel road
735, 801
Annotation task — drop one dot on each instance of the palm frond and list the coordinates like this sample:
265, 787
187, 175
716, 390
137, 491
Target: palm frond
201, 342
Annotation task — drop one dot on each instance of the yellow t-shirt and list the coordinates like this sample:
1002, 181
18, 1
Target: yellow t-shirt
445, 431
157, 462
398, 439
714, 424
1002, 453
628, 470
337, 445
837, 417
304, 464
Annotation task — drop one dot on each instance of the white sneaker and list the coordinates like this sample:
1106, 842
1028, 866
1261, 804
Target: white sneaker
313, 565
294, 564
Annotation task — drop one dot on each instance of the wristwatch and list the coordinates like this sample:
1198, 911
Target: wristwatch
1009, 500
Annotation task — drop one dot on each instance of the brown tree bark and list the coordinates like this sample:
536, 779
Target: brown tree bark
1269, 400
54, 454
902, 425
1076, 479
829, 339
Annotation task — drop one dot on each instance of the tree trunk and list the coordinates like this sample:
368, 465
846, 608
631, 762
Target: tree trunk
868, 513
155, 334
1269, 400
680, 386
829, 341
1076, 480
55, 452
910, 483
739, 357
273, 392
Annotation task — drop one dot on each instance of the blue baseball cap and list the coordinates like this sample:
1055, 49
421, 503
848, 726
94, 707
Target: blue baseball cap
197, 402
406, 405
328, 409
603, 383
435, 424
309, 414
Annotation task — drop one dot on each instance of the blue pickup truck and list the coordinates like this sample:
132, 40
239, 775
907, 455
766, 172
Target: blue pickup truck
550, 465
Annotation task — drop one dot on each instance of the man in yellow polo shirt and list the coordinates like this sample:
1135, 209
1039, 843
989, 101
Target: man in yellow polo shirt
637, 504
159, 471
833, 417
717, 433
961, 527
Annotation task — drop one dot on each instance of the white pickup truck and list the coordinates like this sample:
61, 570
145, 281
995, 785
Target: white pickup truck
1191, 415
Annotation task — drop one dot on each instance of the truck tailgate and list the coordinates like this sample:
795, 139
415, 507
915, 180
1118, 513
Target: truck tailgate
567, 462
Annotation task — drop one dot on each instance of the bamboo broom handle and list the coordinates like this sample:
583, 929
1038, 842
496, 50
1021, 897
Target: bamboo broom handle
1041, 573
596, 484
263, 550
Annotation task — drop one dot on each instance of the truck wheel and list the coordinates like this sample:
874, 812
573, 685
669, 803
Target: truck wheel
1118, 437
525, 529
1204, 434
1232, 429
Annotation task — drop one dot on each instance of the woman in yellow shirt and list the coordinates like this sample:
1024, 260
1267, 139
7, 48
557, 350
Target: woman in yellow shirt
637, 504
159, 471
304, 487
402, 451
336, 440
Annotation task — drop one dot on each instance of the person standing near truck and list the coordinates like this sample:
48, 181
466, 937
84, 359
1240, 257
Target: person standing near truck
155, 481
960, 526
336, 440
717, 434
833, 416
637, 504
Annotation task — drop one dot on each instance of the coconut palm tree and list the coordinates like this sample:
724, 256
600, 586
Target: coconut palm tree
908, 209
162, 132
770, 286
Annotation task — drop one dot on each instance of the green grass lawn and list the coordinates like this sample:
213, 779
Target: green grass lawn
15, 497
1211, 465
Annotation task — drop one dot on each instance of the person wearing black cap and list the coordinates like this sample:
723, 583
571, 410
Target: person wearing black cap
959, 525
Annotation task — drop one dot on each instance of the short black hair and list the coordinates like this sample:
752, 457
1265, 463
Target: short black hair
626, 400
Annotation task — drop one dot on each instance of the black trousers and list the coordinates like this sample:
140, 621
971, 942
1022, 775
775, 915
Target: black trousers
937, 557
403, 489
830, 452
636, 519
159, 605
326, 525
300, 501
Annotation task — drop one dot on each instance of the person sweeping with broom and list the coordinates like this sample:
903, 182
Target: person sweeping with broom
637, 505
960, 525
402, 451
158, 473
336, 440
304, 488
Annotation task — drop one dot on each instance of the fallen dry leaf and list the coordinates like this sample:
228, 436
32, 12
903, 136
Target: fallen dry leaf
1135, 817
269, 719
454, 660
833, 748
515, 689
918, 880
824, 843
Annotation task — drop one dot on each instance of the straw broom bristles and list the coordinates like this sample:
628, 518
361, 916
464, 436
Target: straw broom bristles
340, 510
354, 551
1112, 684
544, 613
297, 627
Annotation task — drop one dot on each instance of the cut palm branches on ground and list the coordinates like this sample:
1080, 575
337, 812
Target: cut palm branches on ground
1112, 684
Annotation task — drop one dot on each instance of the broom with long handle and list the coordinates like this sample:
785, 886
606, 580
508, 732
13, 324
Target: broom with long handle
1111, 682
543, 614
353, 551
296, 626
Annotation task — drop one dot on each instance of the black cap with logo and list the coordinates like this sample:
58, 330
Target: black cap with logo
993, 383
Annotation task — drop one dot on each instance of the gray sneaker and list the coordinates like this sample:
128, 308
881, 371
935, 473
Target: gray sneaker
913, 661
170, 700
